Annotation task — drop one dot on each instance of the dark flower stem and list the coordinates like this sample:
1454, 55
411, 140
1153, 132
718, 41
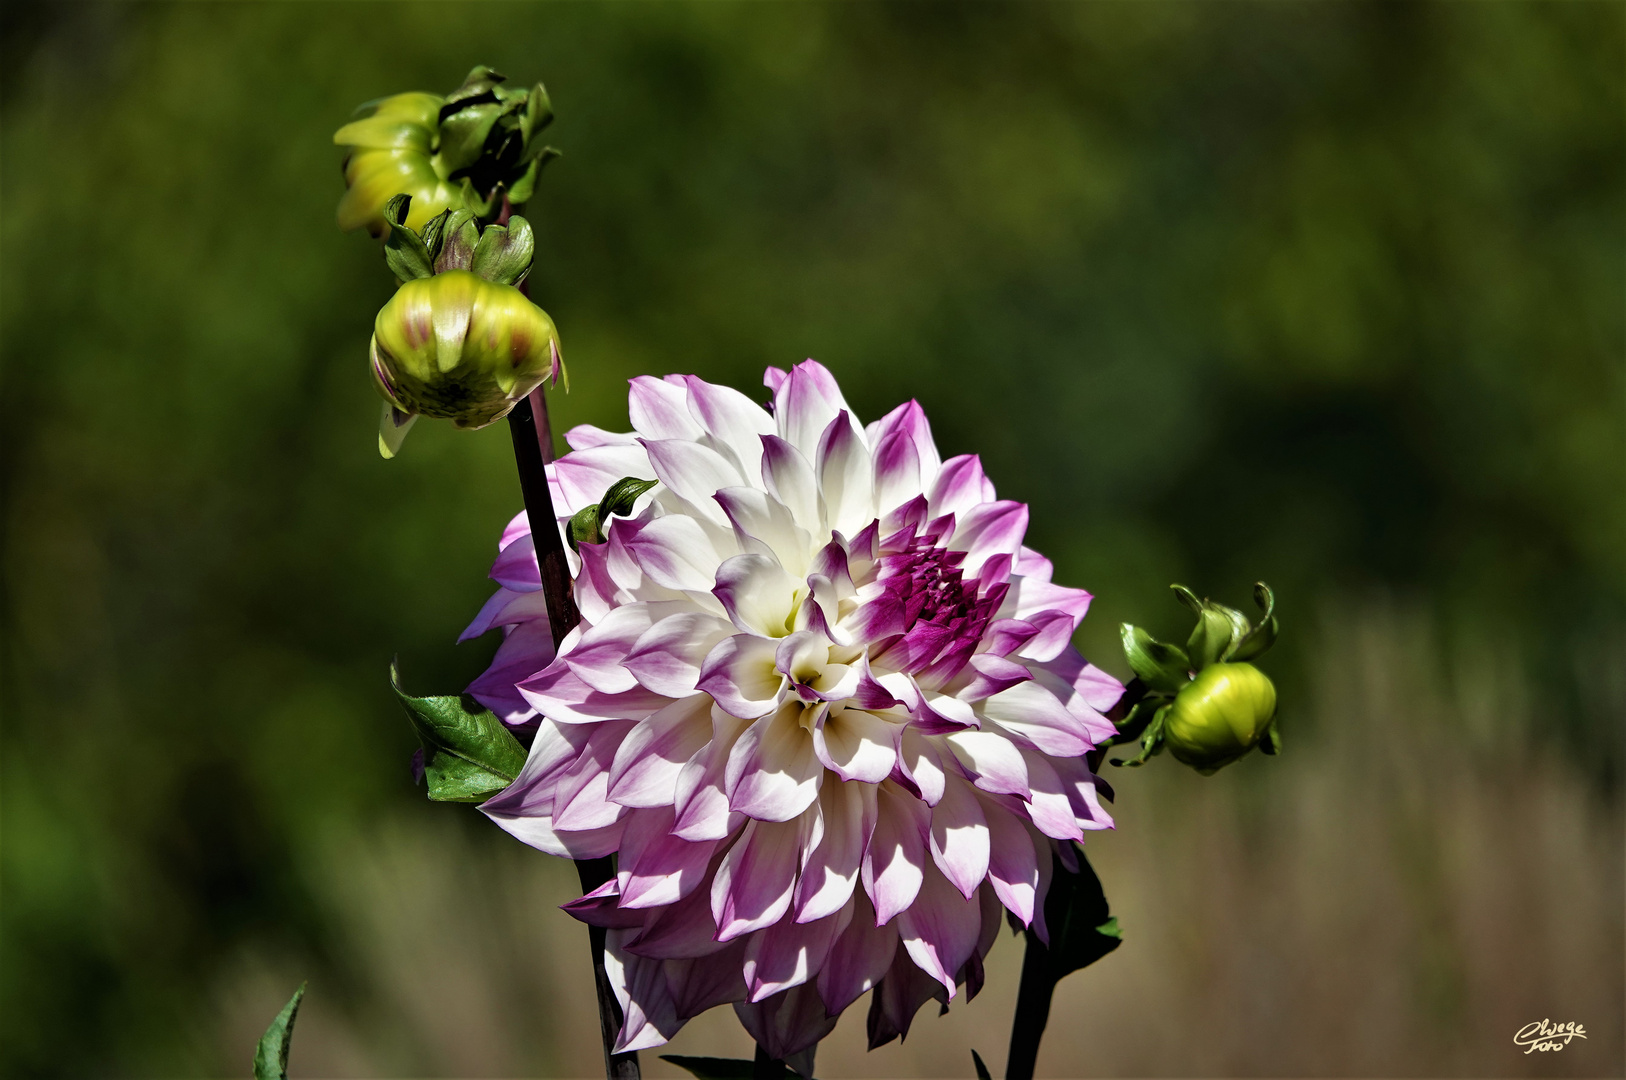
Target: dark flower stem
766, 1066
1038, 984
533, 449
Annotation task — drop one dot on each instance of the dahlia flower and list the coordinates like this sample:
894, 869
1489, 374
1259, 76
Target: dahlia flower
823, 704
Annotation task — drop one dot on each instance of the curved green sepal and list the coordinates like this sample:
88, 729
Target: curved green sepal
404, 251
710, 1068
1271, 742
1159, 666
504, 253
1082, 928
392, 430
459, 235
1263, 635
271, 1055
468, 755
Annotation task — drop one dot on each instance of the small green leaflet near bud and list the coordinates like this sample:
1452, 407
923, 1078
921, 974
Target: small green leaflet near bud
271, 1054
587, 526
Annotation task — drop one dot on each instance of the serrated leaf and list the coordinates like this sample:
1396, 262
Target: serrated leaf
271, 1055
711, 1068
1075, 910
982, 1070
469, 755
503, 253
1160, 666
404, 251
459, 236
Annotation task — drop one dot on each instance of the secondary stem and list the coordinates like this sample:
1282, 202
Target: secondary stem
1032, 1010
532, 433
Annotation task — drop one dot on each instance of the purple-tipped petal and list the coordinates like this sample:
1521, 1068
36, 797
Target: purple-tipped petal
846, 477
830, 872
1029, 710
759, 596
659, 409
655, 867
773, 773
788, 1025
647, 763
694, 473
789, 953
667, 658
740, 674
991, 761
940, 929
960, 837
859, 958
1013, 869
895, 860
856, 745
805, 404
753, 885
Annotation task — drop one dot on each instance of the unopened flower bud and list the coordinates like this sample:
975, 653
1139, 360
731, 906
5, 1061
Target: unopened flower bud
462, 348
463, 151
1219, 715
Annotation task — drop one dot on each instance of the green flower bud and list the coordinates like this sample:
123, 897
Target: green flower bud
462, 348
1219, 715
464, 151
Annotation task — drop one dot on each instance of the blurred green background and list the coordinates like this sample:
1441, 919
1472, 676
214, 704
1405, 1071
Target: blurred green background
1326, 294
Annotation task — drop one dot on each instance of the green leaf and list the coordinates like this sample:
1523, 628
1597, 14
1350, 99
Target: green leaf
468, 754
271, 1055
982, 1070
404, 251
622, 496
1263, 636
503, 254
1159, 666
587, 526
710, 1068
1082, 929
584, 529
